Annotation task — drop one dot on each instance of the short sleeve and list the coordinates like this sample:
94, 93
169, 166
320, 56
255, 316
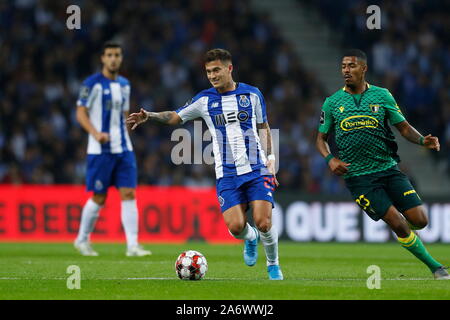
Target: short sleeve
260, 108
126, 96
192, 109
326, 117
85, 93
394, 113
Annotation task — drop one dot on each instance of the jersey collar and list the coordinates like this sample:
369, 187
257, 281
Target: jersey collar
367, 88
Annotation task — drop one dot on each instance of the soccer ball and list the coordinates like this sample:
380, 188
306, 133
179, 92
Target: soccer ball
191, 265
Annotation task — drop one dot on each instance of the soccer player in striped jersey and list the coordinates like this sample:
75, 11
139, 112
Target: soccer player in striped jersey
244, 160
359, 114
102, 108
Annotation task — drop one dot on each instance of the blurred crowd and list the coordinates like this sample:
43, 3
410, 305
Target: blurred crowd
410, 55
42, 64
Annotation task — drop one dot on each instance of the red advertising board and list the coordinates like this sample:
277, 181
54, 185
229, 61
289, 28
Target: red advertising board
166, 214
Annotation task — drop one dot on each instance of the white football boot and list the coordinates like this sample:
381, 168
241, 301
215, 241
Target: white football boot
85, 248
441, 274
137, 251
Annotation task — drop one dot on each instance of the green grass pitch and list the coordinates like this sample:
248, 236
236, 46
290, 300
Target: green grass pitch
311, 271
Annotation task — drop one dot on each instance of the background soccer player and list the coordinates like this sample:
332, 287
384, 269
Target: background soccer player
101, 110
245, 176
359, 114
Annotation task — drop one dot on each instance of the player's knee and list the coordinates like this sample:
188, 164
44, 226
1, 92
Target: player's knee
236, 228
421, 222
127, 194
99, 199
263, 225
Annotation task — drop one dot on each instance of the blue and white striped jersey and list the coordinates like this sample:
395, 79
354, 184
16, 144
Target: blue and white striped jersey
106, 101
231, 118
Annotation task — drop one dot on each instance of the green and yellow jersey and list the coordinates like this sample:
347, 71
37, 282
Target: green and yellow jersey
361, 126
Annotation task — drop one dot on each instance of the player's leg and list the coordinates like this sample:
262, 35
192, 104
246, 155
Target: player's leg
125, 179
407, 202
417, 217
98, 178
262, 215
411, 242
259, 192
233, 205
89, 216
236, 222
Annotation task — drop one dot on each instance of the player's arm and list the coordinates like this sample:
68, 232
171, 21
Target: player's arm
336, 165
397, 119
412, 135
265, 137
86, 124
165, 117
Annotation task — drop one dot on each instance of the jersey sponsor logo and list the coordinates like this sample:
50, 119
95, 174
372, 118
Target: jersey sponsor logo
230, 117
358, 122
374, 108
409, 192
322, 117
244, 102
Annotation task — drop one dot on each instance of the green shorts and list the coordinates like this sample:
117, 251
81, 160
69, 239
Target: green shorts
376, 192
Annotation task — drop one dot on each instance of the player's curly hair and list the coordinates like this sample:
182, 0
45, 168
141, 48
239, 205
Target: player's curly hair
218, 54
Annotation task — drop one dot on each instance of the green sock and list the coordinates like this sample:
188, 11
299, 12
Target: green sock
414, 245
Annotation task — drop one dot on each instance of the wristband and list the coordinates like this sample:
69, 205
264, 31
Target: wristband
271, 157
329, 157
421, 141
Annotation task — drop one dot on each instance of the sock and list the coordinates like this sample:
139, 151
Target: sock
129, 216
249, 233
413, 244
269, 240
89, 216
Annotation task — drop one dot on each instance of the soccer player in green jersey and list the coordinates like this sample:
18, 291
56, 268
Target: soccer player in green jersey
359, 115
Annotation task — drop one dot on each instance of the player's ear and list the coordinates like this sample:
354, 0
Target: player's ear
364, 67
230, 68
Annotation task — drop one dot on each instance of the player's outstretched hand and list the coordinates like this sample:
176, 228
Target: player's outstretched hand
431, 142
338, 167
136, 119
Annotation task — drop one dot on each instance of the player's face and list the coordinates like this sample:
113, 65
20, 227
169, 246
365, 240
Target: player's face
219, 73
353, 70
112, 59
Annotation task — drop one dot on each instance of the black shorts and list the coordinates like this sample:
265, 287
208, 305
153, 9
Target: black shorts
376, 192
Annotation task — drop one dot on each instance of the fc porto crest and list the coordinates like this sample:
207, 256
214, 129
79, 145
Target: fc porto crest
374, 108
244, 101
221, 201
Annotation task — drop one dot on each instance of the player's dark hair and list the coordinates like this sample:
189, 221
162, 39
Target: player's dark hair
361, 55
218, 54
110, 44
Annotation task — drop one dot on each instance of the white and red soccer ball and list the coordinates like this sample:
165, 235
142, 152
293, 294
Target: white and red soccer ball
191, 265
